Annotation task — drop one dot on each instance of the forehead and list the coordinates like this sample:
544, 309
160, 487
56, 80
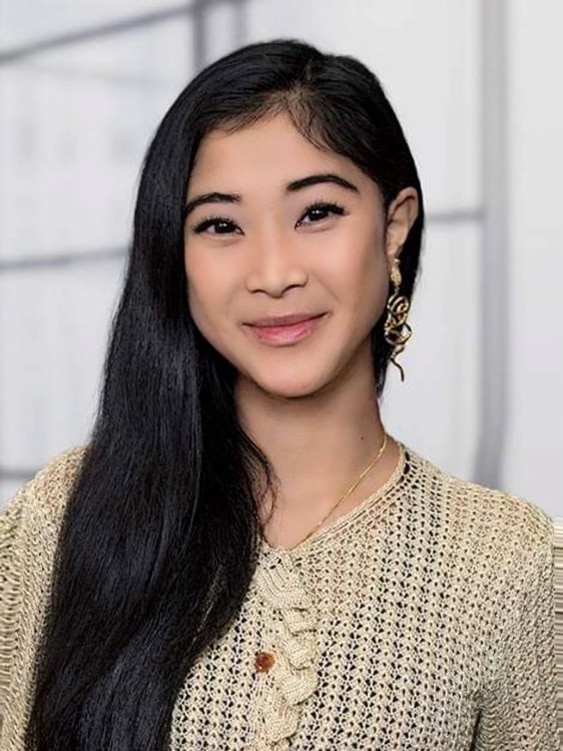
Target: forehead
271, 150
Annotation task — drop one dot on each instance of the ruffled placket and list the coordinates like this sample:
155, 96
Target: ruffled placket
286, 672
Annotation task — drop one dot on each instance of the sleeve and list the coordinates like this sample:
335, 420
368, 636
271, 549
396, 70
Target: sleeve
519, 710
558, 581
44, 495
10, 590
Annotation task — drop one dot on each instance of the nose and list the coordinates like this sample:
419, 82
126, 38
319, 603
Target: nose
276, 264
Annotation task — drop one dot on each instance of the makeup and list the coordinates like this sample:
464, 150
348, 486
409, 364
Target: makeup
285, 333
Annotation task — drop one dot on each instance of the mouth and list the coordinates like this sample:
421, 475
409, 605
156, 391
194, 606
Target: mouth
284, 330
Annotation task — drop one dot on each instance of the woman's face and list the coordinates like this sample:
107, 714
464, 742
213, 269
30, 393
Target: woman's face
278, 228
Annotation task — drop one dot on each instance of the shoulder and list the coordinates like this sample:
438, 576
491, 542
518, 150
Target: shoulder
49, 489
502, 524
28, 533
57, 477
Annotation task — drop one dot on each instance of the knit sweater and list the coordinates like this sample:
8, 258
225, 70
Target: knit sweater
424, 618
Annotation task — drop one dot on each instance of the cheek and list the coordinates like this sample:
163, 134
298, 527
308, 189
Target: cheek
210, 288
201, 286
374, 278
359, 278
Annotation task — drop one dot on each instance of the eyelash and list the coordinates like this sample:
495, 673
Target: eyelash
331, 206
211, 221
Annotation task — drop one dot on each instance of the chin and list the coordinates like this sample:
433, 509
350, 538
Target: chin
291, 387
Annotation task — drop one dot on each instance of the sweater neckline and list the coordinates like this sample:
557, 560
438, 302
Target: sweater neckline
348, 518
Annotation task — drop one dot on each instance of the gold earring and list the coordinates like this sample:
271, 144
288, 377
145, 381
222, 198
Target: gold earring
396, 329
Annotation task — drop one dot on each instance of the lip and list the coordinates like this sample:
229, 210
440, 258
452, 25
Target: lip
286, 320
285, 330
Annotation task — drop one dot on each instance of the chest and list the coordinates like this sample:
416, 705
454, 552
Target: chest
374, 657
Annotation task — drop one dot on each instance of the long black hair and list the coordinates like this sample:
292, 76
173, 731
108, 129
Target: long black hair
160, 536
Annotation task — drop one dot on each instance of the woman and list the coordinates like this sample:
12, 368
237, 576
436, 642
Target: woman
242, 557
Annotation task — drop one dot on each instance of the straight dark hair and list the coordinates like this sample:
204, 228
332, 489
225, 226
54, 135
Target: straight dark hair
161, 532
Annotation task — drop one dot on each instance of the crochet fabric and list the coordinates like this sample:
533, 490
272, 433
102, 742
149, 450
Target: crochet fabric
425, 618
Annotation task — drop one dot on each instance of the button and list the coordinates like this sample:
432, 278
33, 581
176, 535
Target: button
264, 661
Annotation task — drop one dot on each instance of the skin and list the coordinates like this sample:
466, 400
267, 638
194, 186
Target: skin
310, 406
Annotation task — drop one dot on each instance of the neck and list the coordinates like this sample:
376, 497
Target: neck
318, 445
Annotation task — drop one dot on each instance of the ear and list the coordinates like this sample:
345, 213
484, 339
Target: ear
401, 215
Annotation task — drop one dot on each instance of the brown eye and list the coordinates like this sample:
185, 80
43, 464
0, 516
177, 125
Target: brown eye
319, 211
221, 225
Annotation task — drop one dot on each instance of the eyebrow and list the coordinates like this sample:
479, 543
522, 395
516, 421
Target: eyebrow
291, 187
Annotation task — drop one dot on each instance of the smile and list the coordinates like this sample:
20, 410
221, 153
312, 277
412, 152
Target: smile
284, 335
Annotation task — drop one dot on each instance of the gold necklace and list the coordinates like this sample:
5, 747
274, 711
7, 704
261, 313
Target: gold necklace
352, 487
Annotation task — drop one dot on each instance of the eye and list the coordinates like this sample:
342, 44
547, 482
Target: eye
320, 210
221, 224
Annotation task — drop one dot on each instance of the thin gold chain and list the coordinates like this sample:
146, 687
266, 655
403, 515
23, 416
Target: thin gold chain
352, 487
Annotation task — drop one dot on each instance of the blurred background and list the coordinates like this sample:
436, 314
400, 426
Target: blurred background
476, 86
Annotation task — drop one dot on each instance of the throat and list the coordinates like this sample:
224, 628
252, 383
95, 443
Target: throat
290, 520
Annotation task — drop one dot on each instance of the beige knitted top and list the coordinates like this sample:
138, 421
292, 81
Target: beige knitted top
422, 619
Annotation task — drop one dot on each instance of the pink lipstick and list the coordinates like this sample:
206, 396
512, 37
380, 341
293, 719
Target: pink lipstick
284, 330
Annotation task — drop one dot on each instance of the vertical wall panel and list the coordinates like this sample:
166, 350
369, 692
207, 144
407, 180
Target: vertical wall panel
534, 452
53, 328
75, 125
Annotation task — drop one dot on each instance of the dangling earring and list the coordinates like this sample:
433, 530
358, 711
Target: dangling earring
396, 330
